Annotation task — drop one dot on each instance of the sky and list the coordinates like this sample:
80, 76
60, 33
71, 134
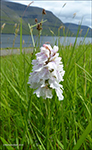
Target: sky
74, 11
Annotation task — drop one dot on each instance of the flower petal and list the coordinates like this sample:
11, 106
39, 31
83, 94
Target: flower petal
59, 94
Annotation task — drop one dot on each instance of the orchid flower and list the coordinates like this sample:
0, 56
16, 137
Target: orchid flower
47, 73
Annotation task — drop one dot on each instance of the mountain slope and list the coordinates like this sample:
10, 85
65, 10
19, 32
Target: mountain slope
12, 12
83, 29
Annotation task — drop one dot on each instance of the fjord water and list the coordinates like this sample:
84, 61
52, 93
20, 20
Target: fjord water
7, 40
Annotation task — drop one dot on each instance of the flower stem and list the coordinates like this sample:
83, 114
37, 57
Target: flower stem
47, 106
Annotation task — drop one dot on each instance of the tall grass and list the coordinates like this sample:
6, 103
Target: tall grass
36, 123
28, 122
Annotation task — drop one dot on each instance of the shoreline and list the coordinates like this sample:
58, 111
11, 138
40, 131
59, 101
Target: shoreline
6, 52
45, 35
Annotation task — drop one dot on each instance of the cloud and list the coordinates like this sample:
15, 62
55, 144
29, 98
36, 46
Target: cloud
82, 10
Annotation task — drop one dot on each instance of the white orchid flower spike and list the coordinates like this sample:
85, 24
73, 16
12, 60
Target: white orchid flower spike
47, 73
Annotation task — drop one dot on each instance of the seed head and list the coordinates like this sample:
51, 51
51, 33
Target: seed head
15, 25
23, 42
36, 20
39, 27
2, 27
43, 12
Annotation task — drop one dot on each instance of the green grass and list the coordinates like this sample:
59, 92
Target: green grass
47, 124
10, 48
33, 123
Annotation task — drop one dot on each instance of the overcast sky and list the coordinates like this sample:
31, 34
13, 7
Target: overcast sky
73, 11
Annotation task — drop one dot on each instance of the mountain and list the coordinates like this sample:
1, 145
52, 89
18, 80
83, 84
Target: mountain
83, 29
12, 12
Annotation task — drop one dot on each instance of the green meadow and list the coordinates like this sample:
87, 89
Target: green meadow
32, 123
28, 122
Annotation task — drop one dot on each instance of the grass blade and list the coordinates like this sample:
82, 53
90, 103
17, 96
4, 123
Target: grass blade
60, 144
6, 144
20, 35
14, 88
83, 136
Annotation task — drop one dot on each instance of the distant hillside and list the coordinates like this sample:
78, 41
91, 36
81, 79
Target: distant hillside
12, 12
83, 30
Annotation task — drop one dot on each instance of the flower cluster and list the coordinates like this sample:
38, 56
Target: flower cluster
47, 73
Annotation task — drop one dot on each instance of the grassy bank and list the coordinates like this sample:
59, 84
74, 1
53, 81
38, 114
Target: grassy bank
17, 48
35, 123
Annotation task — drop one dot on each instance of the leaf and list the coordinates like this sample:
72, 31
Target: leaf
83, 136
84, 71
6, 144
37, 109
85, 104
60, 144
16, 91
21, 36
41, 146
